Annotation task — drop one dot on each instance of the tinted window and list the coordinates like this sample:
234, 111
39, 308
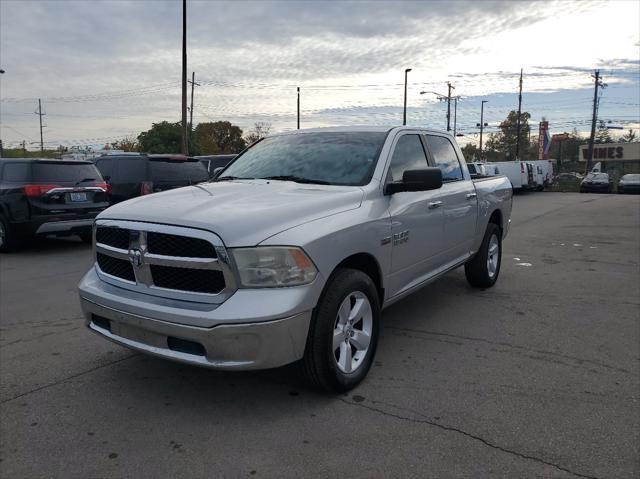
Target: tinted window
133, 170
16, 172
445, 157
172, 170
105, 167
408, 155
472, 168
61, 172
339, 158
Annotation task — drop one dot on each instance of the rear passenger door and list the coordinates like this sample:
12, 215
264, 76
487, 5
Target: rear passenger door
460, 205
416, 219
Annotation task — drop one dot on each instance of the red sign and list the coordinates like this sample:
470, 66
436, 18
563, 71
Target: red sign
543, 150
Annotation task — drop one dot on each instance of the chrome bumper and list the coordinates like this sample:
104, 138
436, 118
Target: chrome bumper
57, 226
246, 346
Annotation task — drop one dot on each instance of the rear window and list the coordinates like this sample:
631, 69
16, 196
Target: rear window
61, 172
173, 170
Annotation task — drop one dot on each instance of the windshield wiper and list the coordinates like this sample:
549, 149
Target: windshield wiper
84, 180
229, 178
297, 179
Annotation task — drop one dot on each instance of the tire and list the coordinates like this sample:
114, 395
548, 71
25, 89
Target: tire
483, 269
8, 240
333, 338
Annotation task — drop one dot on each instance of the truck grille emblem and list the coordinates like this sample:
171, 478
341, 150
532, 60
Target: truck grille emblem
136, 257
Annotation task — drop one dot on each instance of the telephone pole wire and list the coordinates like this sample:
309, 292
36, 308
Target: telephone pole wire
449, 106
519, 114
185, 127
40, 114
597, 84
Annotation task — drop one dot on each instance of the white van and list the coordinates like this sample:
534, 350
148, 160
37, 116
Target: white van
520, 173
543, 173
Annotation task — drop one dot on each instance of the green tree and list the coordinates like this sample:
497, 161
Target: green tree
163, 137
219, 137
603, 135
629, 137
470, 152
504, 141
126, 144
260, 130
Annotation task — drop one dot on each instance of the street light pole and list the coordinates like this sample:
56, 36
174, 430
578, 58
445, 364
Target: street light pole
404, 113
455, 114
185, 126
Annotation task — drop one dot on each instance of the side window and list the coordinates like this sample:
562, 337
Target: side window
105, 167
132, 170
408, 155
445, 158
17, 172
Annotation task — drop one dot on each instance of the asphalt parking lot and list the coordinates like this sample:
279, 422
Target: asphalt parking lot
536, 377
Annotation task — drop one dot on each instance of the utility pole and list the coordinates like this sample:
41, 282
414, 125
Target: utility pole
455, 114
519, 114
404, 111
40, 114
185, 127
482, 124
298, 108
193, 83
449, 106
597, 84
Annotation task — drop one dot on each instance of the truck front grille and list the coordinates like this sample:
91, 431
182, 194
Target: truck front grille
167, 261
199, 280
119, 268
172, 245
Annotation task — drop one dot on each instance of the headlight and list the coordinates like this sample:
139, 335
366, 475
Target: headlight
277, 266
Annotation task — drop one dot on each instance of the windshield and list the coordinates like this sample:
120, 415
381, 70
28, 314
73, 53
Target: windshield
631, 177
343, 158
598, 176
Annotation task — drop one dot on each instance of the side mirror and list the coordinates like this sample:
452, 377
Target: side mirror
417, 180
216, 171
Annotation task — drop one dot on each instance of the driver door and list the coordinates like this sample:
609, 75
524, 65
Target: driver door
417, 219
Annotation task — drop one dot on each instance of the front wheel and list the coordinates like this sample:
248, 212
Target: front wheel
343, 333
483, 269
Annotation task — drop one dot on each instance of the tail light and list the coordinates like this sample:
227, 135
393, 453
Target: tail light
105, 186
35, 191
146, 188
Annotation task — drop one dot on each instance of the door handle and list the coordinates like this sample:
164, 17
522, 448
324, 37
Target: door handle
434, 204
471, 196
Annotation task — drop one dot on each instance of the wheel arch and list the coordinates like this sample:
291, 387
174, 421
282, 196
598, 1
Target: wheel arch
368, 264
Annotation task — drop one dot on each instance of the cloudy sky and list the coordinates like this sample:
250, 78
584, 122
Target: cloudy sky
109, 69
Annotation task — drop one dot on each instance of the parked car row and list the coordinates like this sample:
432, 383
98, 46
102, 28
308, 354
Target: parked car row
40, 197
598, 182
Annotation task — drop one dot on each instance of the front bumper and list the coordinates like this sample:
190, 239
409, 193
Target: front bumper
253, 329
233, 346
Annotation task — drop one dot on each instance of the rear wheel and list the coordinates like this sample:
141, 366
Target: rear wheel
343, 333
7, 236
483, 269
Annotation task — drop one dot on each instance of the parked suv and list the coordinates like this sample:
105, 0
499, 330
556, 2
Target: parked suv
213, 162
596, 182
131, 175
41, 197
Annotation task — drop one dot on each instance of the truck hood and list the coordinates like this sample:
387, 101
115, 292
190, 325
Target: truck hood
242, 213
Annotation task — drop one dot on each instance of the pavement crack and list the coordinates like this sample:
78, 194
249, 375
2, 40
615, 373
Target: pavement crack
73, 376
475, 437
514, 346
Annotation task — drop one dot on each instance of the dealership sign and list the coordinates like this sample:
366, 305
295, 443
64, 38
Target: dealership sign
612, 152
544, 140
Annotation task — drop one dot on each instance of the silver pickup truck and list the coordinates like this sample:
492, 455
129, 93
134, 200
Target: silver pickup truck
293, 250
